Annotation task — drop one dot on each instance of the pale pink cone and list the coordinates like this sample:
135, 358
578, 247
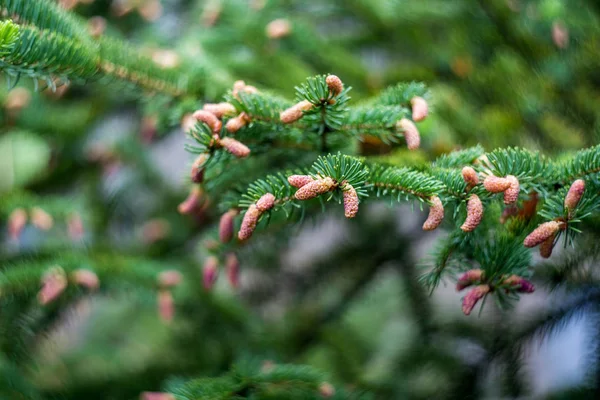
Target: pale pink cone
436, 214
169, 278
191, 203
473, 297
249, 222
470, 176
411, 133
220, 110
474, 213
335, 85
209, 119
187, 122
511, 195
542, 233
156, 396
574, 194
197, 172
419, 108
469, 278
326, 390
295, 112
210, 272
278, 28
226, 226
494, 184
315, 188
75, 227
350, 200
299, 180
560, 35
546, 247
54, 282
16, 223
521, 284
235, 147
266, 202
166, 305
86, 278
41, 219
232, 268
237, 123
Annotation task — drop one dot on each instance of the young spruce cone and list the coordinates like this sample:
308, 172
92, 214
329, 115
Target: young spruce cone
495, 184
436, 214
521, 284
85, 278
209, 119
574, 194
235, 147
220, 110
295, 112
474, 213
226, 226
315, 188
473, 297
350, 200
266, 202
166, 305
232, 268
469, 278
299, 180
411, 133
237, 123
419, 108
197, 173
335, 85
547, 246
210, 272
511, 195
542, 233
470, 176
54, 282
249, 222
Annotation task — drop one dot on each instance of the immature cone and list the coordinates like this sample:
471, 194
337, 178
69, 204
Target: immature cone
156, 396
335, 85
41, 219
86, 278
315, 188
546, 247
299, 180
16, 222
235, 147
511, 195
226, 226
266, 202
237, 123
197, 173
495, 184
326, 390
521, 284
278, 28
220, 109
295, 112
350, 200
574, 194
474, 213
210, 272
473, 297
232, 268
419, 108
470, 176
542, 233
187, 122
191, 203
209, 119
469, 278
75, 226
54, 282
411, 133
249, 222
436, 214
169, 278
560, 35
166, 305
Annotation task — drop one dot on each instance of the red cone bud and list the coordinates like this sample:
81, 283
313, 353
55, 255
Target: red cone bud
473, 297
166, 305
470, 176
574, 194
546, 247
266, 202
436, 214
86, 278
419, 108
220, 109
249, 222
191, 203
197, 173
295, 112
299, 180
469, 278
541, 233
335, 85
237, 123
350, 200
315, 188
210, 272
520, 284
511, 195
494, 184
209, 119
226, 226
232, 268
54, 282
411, 133
235, 147
474, 213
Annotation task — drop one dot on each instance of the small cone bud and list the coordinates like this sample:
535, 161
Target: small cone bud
436, 214
295, 112
419, 108
232, 268
574, 194
210, 272
560, 35
166, 305
494, 184
249, 222
220, 110
156, 396
169, 278
250, 89
191, 203
75, 227
226, 226
350, 200
278, 28
521, 284
209, 119
335, 85
54, 282
473, 297
187, 122
16, 222
315, 188
411, 133
237, 123
299, 180
470, 176
41, 219
326, 390
197, 173
235, 147
469, 278
474, 213
511, 195
266, 202
86, 278
542, 233
96, 26
546, 247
